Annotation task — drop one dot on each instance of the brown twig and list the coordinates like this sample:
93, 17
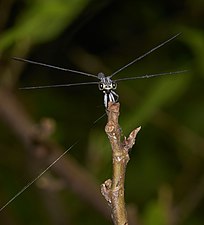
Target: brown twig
113, 190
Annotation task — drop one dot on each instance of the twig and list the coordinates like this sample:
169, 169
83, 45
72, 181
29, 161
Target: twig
113, 190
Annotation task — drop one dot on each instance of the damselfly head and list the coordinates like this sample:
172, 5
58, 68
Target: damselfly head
106, 84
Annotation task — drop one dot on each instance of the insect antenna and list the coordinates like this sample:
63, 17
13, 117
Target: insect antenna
142, 56
152, 75
54, 67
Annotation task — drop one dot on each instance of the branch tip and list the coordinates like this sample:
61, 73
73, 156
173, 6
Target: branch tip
114, 106
130, 141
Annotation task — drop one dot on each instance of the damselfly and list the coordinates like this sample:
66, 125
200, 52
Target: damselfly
105, 84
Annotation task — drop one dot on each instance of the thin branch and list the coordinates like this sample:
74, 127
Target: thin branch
113, 190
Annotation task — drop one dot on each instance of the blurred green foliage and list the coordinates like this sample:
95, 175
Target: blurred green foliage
41, 21
95, 36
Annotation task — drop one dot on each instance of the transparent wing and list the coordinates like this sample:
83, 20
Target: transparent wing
57, 85
152, 75
54, 67
142, 56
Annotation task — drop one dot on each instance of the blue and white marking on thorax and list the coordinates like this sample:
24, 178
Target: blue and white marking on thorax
107, 86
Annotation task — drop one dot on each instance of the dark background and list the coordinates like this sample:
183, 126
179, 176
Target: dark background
165, 180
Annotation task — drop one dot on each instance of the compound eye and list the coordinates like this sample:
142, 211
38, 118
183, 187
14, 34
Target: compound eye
100, 86
114, 85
